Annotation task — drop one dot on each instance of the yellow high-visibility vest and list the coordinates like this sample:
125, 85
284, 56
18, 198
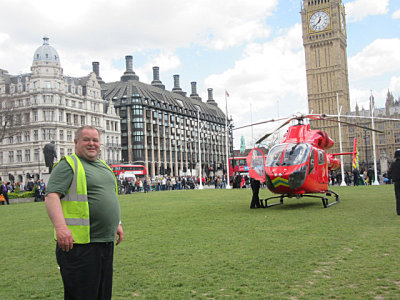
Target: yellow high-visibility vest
75, 204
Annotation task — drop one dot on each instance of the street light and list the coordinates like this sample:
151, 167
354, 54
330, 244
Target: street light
340, 141
198, 135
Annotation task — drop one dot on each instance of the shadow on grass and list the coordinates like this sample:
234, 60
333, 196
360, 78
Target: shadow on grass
291, 206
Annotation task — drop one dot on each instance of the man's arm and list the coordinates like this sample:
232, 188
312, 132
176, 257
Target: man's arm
54, 210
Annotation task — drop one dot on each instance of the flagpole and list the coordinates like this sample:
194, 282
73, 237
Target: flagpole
228, 184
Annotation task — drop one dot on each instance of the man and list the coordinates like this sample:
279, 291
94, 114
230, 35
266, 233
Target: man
83, 206
255, 187
394, 174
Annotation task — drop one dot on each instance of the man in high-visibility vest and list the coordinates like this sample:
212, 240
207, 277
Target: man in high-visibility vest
83, 206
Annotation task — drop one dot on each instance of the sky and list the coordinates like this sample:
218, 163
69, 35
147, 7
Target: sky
253, 49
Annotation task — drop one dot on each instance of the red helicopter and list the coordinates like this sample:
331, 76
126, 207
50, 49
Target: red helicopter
299, 166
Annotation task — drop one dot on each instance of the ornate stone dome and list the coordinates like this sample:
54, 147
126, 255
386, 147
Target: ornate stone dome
46, 53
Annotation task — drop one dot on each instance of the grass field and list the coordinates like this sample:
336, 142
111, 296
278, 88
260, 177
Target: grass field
209, 245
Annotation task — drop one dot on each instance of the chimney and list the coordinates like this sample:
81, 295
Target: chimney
194, 94
210, 99
177, 88
156, 78
129, 73
96, 70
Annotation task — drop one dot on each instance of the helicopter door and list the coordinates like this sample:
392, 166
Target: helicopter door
255, 161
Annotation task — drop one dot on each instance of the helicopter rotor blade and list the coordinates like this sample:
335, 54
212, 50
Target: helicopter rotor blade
259, 123
364, 117
270, 133
350, 124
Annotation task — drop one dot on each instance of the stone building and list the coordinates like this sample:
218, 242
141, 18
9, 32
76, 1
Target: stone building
46, 105
160, 128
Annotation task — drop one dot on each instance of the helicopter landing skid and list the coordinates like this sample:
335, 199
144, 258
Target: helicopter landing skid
325, 200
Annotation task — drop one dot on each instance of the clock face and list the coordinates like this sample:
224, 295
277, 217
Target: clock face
319, 21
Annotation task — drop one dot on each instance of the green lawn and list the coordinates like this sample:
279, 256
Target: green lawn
209, 245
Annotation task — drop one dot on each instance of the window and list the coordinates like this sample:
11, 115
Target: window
36, 135
61, 115
69, 136
27, 155
397, 138
48, 115
62, 153
27, 136
321, 157
19, 156
10, 156
35, 116
83, 120
61, 135
382, 139
36, 155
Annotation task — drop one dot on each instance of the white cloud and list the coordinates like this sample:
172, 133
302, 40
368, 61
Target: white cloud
378, 58
271, 76
359, 9
396, 14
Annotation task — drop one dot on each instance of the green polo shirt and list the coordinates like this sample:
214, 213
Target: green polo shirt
104, 210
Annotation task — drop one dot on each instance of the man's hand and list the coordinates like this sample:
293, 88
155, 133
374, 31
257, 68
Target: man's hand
120, 234
64, 238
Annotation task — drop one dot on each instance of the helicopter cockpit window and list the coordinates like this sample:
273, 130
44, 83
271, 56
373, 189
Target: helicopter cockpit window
296, 154
275, 155
321, 157
311, 167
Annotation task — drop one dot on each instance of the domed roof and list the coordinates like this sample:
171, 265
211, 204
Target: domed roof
46, 53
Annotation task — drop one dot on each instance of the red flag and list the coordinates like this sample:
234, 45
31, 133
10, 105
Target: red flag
226, 93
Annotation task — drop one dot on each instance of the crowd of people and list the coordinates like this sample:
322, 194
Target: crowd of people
170, 183
38, 188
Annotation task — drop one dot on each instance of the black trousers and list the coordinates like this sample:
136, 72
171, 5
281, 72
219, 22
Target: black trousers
397, 194
255, 200
87, 271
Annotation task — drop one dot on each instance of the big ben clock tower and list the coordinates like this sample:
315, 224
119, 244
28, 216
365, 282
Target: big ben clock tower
324, 40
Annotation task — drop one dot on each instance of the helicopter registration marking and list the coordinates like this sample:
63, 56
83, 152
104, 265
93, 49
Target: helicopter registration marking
279, 181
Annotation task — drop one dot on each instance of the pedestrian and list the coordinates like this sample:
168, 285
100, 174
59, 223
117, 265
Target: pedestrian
83, 206
4, 192
255, 187
394, 174
356, 177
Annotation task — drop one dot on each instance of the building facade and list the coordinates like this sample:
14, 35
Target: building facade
45, 105
162, 129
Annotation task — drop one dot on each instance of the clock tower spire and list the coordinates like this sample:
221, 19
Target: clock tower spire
325, 43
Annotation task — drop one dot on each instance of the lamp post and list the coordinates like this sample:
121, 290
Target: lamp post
228, 184
340, 141
198, 135
376, 182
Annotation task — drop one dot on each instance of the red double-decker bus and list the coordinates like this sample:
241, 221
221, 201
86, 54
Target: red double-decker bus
237, 165
138, 170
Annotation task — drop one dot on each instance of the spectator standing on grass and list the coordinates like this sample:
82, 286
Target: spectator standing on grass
394, 174
83, 206
4, 192
255, 187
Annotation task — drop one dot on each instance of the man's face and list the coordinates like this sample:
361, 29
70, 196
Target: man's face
87, 145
